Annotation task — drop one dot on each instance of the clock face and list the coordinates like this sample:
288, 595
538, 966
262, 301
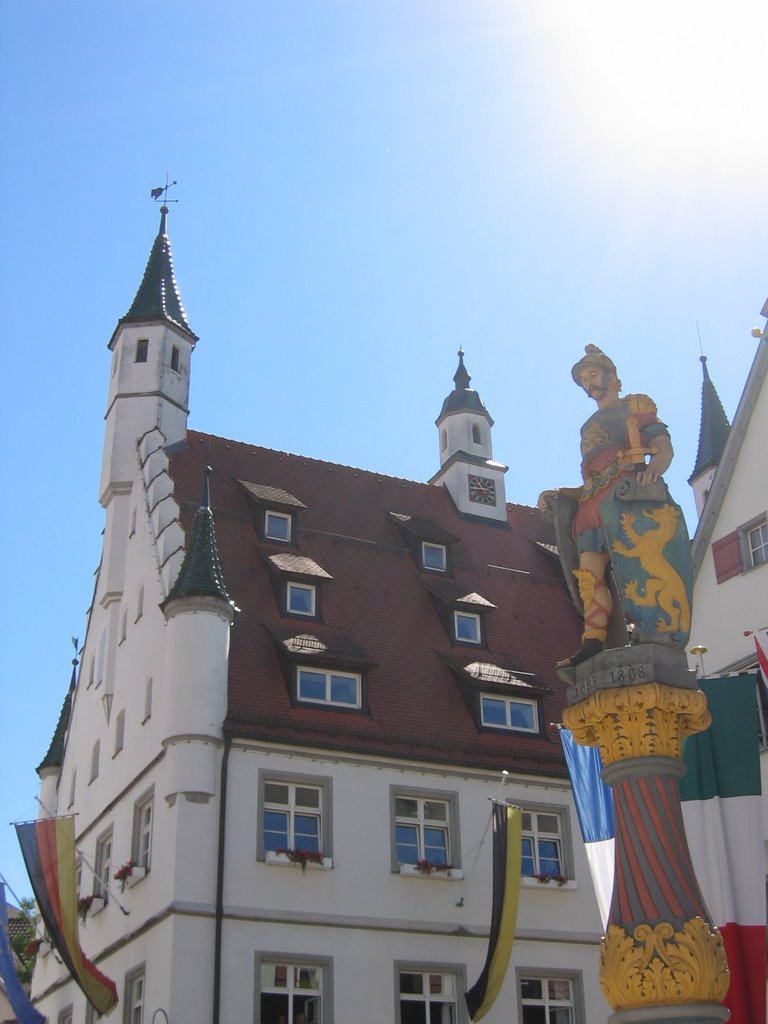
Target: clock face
482, 490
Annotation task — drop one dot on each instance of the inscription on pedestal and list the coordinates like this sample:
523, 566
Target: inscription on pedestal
628, 666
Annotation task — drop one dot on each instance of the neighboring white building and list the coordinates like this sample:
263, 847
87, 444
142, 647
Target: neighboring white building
393, 651
730, 546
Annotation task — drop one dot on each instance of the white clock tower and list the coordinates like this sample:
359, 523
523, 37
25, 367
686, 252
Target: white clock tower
468, 470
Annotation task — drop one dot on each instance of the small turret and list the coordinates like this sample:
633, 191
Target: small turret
467, 468
713, 436
199, 614
49, 768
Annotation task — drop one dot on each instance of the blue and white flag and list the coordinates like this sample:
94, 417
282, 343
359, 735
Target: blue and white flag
17, 997
594, 806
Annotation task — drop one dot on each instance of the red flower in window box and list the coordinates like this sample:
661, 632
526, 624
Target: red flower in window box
303, 857
426, 867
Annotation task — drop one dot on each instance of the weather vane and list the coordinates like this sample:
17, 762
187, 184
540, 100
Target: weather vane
162, 191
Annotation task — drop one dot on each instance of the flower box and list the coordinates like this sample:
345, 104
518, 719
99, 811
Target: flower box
283, 859
534, 882
137, 873
447, 874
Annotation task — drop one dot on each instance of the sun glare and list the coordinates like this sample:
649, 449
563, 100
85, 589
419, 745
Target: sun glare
673, 89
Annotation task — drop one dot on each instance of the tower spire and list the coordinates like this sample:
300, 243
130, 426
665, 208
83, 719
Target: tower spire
200, 574
713, 435
158, 295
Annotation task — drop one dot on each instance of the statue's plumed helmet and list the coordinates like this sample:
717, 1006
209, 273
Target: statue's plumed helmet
594, 357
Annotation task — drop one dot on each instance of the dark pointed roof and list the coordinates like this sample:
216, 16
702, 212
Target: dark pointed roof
463, 398
200, 574
158, 296
55, 754
714, 427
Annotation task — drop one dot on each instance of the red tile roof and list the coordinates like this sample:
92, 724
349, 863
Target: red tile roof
378, 604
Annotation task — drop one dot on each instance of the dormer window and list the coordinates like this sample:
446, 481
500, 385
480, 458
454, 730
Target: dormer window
509, 713
142, 350
434, 556
467, 627
320, 686
277, 526
301, 599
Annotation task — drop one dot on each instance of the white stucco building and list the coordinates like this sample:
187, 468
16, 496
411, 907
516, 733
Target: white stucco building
323, 660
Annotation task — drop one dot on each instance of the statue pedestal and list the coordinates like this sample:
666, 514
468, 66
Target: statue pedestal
661, 958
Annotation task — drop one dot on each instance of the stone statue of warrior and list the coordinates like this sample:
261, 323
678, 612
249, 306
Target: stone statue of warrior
622, 515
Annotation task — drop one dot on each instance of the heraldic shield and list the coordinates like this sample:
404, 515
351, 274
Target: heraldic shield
651, 556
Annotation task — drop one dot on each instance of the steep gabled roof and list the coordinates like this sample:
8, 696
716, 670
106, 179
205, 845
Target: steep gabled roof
377, 610
715, 427
158, 295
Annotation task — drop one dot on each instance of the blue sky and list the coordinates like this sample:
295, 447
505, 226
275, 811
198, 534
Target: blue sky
363, 186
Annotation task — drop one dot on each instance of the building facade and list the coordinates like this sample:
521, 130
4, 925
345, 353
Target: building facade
299, 687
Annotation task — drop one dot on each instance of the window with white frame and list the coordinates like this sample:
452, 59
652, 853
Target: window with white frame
294, 814
65, 1016
424, 827
294, 991
119, 731
755, 543
133, 1001
542, 853
102, 865
549, 999
95, 751
509, 713
434, 556
467, 627
143, 817
277, 526
301, 598
321, 686
429, 995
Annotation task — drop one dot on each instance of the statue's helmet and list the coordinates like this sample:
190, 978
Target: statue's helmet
594, 357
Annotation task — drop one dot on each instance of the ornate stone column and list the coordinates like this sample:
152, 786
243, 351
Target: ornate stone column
661, 958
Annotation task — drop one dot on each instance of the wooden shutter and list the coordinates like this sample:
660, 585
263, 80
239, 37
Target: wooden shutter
727, 555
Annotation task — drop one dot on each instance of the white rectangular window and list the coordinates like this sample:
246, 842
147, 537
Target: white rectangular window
103, 866
119, 731
95, 751
547, 1000
319, 686
509, 713
428, 996
292, 992
133, 1003
277, 526
65, 1016
467, 627
292, 817
143, 817
433, 556
542, 844
301, 598
424, 828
